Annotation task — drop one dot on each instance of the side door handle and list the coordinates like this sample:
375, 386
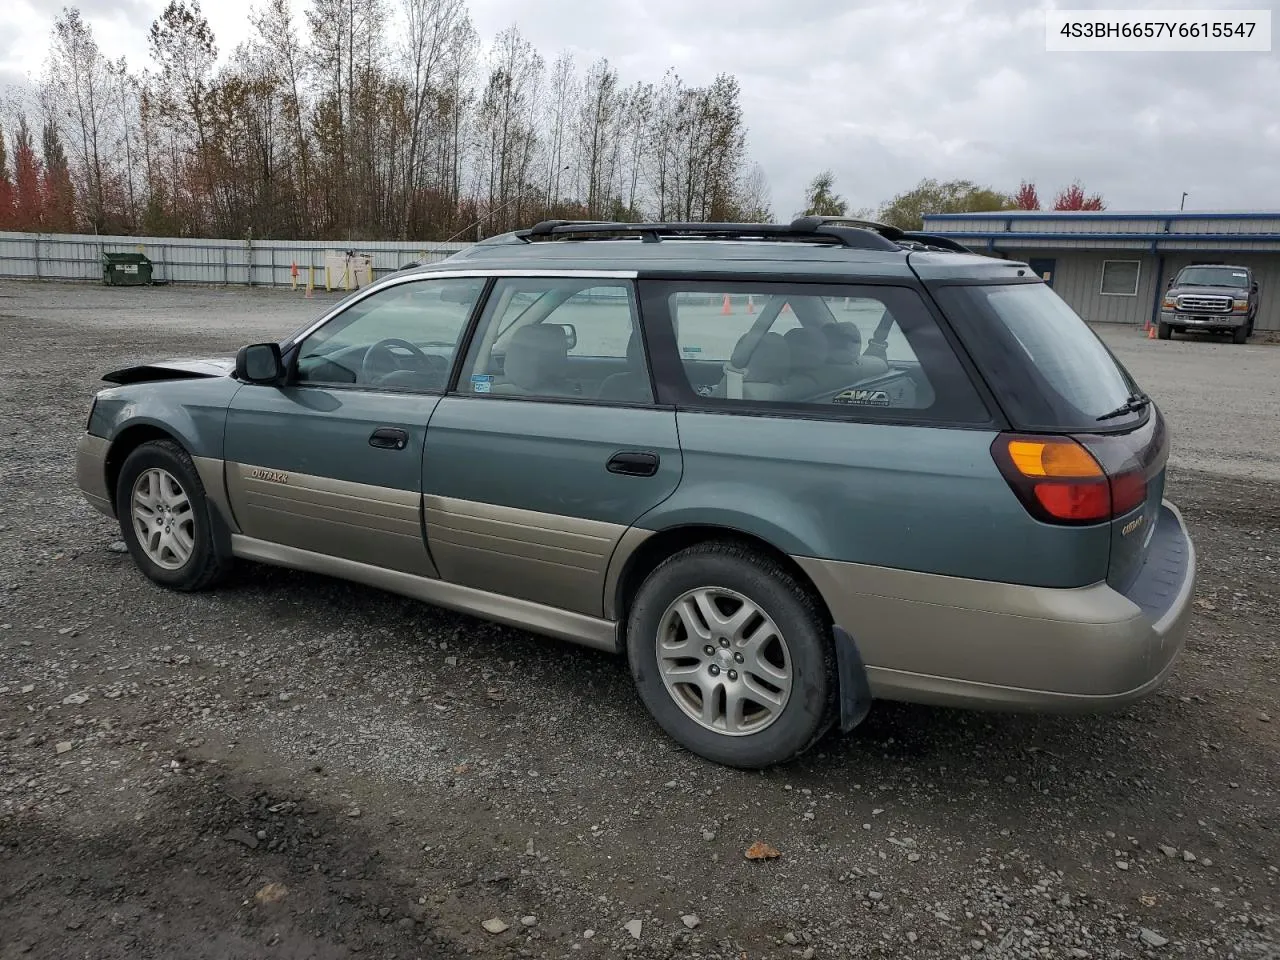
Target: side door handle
633, 463
389, 438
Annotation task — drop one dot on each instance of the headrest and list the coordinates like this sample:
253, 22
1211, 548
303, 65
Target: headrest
808, 349
844, 342
635, 352
537, 355
770, 361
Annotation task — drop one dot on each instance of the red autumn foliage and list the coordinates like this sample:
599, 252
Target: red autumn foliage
1074, 198
6, 189
27, 207
1026, 198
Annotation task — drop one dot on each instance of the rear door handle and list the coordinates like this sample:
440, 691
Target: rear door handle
389, 438
634, 463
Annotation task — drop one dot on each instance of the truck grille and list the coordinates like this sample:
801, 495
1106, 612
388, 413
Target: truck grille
1205, 304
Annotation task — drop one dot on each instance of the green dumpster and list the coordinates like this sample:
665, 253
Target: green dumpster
126, 269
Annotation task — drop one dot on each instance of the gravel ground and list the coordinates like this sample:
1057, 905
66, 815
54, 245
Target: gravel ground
292, 766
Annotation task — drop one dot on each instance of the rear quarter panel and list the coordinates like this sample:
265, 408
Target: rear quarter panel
925, 499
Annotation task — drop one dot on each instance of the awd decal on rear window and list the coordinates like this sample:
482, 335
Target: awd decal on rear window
864, 398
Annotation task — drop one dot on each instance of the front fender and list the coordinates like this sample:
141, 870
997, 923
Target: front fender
193, 412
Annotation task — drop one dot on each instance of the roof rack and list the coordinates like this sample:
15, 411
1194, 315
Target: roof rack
843, 231
930, 241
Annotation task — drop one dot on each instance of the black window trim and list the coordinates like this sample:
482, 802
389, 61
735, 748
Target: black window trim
473, 326
673, 388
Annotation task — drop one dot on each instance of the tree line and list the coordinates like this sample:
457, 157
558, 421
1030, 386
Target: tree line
383, 119
908, 209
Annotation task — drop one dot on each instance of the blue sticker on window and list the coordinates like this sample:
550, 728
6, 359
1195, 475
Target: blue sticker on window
481, 378
691, 349
481, 386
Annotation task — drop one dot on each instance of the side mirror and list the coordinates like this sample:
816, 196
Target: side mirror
570, 335
1254, 286
1170, 283
260, 363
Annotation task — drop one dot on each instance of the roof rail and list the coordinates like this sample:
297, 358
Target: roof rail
859, 234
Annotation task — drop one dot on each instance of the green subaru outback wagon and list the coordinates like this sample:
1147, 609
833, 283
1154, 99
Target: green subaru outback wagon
785, 469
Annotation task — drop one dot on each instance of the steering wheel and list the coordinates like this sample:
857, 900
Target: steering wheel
380, 361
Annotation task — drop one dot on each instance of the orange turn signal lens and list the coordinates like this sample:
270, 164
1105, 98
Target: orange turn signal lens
1053, 458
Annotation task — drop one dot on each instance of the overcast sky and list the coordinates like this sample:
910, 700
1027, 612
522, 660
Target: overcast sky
882, 93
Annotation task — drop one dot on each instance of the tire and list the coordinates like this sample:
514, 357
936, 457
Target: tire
733, 576
203, 565
1164, 331
1240, 334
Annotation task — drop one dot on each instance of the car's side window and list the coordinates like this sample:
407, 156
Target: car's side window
867, 351
561, 338
402, 337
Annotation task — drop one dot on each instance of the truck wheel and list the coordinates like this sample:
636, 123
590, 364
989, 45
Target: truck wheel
1164, 331
1240, 334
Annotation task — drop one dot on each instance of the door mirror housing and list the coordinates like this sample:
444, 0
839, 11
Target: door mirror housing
260, 363
570, 335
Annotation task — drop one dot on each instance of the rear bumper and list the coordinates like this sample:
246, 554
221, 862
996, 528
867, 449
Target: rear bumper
91, 473
973, 643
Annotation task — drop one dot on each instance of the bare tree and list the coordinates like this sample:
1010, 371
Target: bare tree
77, 94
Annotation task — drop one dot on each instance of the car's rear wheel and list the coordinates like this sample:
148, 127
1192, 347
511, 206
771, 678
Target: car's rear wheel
732, 656
1164, 331
164, 517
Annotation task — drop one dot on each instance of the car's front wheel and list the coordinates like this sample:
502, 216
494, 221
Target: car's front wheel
1240, 334
732, 656
1164, 331
164, 517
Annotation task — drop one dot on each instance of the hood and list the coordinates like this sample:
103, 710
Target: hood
179, 369
1199, 290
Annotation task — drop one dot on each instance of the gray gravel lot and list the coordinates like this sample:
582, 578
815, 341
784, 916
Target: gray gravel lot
292, 766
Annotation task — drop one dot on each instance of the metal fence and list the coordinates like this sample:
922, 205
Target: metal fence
64, 256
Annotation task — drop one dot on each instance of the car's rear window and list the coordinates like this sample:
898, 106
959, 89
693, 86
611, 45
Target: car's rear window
1048, 368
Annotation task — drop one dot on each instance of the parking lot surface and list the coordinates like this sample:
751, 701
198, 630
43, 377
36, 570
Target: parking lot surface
292, 766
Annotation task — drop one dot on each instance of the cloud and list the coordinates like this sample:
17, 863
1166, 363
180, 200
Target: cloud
882, 93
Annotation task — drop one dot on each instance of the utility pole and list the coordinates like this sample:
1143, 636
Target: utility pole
1183, 204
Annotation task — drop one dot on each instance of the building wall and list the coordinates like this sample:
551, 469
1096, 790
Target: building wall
1078, 280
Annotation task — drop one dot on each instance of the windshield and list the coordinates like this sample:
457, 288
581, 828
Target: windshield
1213, 277
1047, 367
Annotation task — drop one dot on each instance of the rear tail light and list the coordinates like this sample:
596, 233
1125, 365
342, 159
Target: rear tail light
1059, 481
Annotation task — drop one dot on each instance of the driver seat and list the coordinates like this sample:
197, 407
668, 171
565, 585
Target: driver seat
536, 364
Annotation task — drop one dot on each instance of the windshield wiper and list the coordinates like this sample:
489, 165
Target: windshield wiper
1134, 403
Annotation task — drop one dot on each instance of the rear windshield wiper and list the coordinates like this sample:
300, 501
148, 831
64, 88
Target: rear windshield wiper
1134, 403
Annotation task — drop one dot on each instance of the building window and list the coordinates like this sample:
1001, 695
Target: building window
1120, 278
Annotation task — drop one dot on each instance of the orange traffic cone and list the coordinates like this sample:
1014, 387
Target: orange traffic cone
1151, 333
725, 309
786, 308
